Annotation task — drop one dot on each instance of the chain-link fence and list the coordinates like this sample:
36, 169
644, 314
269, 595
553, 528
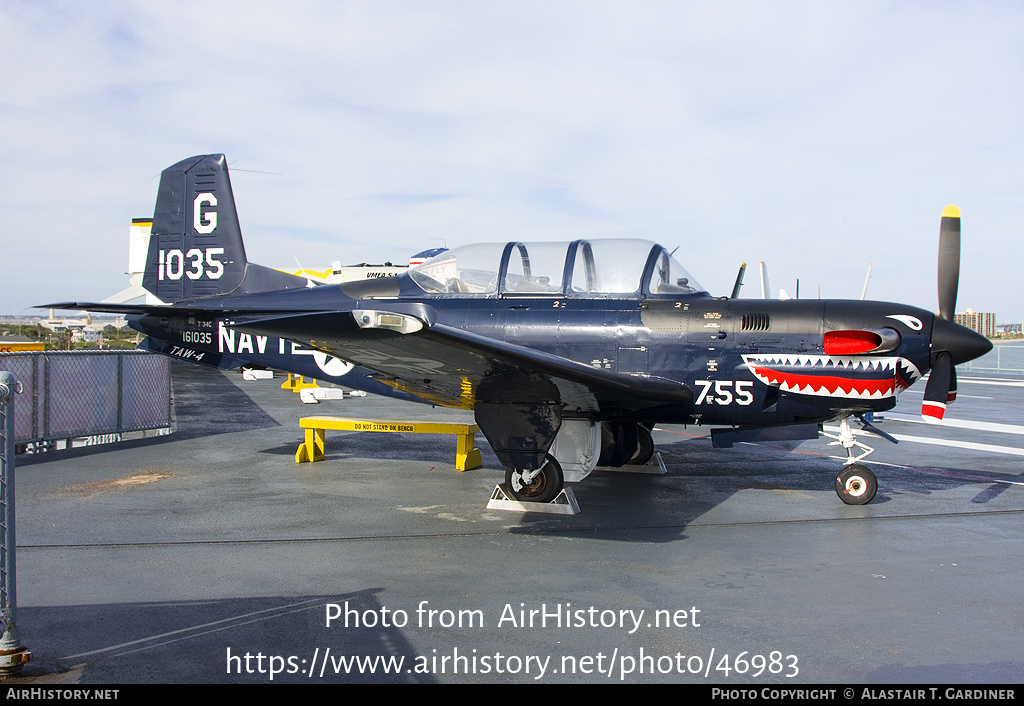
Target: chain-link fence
88, 394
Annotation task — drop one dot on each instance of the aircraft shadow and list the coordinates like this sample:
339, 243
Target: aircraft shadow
639, 507
181, 642
193, 387
701, 478
807, 466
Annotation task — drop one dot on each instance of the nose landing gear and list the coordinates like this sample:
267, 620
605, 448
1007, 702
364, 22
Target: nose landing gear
856, 485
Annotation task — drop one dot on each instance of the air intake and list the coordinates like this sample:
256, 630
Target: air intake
756, 322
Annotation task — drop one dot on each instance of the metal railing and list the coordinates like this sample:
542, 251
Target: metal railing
12, 653
98, 395
1003, 358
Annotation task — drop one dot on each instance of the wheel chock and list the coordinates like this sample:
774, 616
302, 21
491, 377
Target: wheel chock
563, 504
649, 467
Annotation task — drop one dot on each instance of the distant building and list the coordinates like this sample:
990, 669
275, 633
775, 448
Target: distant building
982, 322
89, 334
1010, 329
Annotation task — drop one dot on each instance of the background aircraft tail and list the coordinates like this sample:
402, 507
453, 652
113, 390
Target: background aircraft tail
195, 246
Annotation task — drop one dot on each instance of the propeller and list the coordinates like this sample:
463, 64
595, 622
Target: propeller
941, 388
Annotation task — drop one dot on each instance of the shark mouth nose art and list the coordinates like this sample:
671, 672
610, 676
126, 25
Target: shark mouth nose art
852, 377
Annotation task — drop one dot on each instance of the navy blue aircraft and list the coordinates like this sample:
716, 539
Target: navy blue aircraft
568, 353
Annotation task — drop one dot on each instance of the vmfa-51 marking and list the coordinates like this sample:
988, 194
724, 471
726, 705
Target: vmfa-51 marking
566, 352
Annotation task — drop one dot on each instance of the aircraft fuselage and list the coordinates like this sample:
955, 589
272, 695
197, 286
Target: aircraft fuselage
747, 361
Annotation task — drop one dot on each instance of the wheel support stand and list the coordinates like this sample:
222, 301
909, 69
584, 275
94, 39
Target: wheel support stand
655, 467
563, 504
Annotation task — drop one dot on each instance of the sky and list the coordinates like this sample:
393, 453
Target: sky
815, 136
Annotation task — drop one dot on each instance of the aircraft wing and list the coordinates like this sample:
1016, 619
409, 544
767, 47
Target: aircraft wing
409, 350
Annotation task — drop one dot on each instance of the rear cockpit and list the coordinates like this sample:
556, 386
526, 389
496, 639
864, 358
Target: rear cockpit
582, 268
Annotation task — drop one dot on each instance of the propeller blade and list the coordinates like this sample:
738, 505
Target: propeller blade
739, 281
951, 395
936, 393
949, 261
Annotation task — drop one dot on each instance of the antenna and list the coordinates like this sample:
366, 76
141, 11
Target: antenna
864, 290
302, 272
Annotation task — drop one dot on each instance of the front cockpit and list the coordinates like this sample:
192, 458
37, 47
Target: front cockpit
614, 268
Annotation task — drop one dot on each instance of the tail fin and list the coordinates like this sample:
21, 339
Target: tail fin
195, 247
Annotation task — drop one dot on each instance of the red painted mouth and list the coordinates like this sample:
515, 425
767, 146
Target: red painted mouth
852, 377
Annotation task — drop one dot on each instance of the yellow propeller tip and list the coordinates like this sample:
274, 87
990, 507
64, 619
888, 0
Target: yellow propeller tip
951, 212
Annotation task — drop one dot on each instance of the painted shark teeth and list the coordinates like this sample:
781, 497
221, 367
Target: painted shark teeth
854, 377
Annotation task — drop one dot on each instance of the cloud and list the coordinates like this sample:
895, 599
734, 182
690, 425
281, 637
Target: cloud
816, 136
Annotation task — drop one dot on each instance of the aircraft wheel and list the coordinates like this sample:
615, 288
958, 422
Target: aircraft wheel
644, 446
540, 486
856, 485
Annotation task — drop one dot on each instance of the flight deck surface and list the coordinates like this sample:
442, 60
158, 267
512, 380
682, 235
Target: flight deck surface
210, 556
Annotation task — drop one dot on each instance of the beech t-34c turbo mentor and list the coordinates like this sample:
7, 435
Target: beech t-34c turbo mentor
568, 353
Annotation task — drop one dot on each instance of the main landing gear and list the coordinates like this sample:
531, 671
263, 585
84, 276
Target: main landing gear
539, 486
582, 445
644, 447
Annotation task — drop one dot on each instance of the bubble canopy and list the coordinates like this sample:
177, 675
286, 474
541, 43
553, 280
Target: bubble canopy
582, 268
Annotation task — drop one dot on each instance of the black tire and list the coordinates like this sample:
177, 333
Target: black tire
543, 488
644, 447
856, 485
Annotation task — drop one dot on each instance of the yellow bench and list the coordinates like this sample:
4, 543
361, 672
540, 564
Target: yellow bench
467, 456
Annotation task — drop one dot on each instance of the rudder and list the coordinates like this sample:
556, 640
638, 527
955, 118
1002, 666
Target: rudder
195, 247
